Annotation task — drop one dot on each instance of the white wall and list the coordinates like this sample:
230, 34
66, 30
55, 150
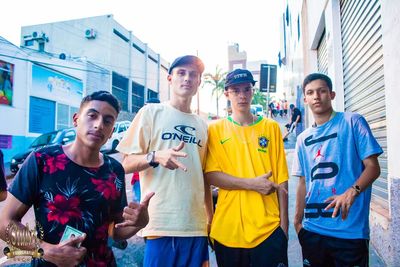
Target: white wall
386, 231
152, 75
119, 50
14, 120
138, 66
107, 50
334, 47
391, 57
164, 91
317, 15
69, 37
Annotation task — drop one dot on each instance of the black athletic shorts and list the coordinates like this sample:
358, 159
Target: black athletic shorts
325, 251
271, 252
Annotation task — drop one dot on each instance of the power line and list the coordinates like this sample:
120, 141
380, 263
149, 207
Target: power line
72, 68
51, 64
112, 67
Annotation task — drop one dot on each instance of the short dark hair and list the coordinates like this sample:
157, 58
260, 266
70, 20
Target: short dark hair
291, 106
102, 96
317, 76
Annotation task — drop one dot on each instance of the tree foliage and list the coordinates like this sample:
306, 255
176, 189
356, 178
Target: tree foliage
259, 98
217, 81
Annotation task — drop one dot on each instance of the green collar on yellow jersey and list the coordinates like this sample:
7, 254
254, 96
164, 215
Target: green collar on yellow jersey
259, 118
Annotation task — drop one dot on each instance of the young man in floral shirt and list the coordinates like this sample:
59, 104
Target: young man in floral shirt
78, 186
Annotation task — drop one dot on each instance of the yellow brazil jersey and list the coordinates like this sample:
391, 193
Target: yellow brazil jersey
246, 218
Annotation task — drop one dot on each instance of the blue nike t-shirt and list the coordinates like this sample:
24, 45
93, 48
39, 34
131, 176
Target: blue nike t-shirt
330, 157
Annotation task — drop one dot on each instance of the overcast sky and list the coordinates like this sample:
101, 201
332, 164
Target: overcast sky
170, 27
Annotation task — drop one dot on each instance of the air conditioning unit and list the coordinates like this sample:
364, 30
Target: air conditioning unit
31, 36
90, 34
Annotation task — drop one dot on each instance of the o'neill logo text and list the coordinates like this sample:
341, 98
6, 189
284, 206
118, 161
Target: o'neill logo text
184, 133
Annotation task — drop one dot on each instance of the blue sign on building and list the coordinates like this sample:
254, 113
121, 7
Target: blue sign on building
41, 115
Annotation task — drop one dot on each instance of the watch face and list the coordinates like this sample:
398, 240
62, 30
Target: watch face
149, 157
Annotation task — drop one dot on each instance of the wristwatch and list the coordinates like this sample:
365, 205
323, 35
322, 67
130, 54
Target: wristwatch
356, 188
150, 159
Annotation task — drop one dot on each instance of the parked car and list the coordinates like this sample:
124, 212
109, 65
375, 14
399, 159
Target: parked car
120, 128
257, 109
61, 137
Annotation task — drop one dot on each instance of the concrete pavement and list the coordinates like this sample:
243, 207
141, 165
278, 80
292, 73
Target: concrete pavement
133, 254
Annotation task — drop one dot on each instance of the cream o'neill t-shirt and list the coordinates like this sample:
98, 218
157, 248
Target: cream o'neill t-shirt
177, 208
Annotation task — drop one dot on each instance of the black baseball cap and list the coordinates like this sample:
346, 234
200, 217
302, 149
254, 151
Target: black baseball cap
239, 76
187, 60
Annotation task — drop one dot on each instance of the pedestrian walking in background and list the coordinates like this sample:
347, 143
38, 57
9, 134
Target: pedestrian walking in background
281, 102
285, 108
182, 205
271, 108
246, 160
278, 108
77, 186
336, 160
294, 121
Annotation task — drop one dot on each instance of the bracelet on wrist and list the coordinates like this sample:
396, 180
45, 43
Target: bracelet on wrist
356, 188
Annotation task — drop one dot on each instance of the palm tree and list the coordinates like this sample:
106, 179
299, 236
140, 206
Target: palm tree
259, 98
217, 80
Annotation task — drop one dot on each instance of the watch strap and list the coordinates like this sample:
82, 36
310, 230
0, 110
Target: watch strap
152, 163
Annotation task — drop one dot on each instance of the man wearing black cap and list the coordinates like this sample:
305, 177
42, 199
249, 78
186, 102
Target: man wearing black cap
167, 144
246, 160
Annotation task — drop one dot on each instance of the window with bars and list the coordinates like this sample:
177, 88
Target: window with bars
137, 97
120, 89
152, 94
64, 116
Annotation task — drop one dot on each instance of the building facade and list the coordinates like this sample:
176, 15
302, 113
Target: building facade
238, 60
43, 81
355, 43
137, 72
39, 93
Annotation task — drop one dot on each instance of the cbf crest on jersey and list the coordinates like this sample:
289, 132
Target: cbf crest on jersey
263, 142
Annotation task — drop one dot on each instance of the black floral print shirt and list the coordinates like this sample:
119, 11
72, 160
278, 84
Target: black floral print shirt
65, 193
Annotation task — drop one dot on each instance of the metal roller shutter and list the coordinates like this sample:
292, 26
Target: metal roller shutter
364, 88
322, 55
